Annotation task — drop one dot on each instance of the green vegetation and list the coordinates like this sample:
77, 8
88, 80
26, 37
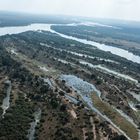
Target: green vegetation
29, 91
120, 121
16, 122
126, 38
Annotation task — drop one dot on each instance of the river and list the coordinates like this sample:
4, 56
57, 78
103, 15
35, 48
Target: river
47, 27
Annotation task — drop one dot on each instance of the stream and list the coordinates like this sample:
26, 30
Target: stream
31, 132
6, 100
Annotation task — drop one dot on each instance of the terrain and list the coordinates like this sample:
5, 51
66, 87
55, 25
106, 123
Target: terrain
55, 88
123, 37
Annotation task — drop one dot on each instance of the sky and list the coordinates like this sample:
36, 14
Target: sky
114, 9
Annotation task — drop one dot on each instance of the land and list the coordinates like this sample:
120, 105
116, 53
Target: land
47, 73
122, 37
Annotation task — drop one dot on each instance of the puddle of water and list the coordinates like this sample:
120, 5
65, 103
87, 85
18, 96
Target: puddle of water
63, 61
79, 85
14, 52
43, 68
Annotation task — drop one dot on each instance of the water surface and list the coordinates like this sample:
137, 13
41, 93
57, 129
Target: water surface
47, 27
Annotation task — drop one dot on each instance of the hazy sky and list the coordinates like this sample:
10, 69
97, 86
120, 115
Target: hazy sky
122, 9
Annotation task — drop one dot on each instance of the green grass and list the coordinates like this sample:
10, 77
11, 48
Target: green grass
116, 118
33, 66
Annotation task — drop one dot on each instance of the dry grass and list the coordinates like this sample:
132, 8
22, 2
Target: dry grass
120, 121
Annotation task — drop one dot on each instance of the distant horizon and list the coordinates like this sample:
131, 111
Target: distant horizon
105, 9
67, 15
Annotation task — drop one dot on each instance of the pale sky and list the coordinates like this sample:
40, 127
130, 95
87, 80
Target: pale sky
120, 9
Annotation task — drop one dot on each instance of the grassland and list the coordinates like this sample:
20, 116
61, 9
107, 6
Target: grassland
120, 121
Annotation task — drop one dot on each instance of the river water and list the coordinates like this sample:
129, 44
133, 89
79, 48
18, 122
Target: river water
47, 27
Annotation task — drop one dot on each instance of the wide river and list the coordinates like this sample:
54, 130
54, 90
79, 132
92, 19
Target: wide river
47, 27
